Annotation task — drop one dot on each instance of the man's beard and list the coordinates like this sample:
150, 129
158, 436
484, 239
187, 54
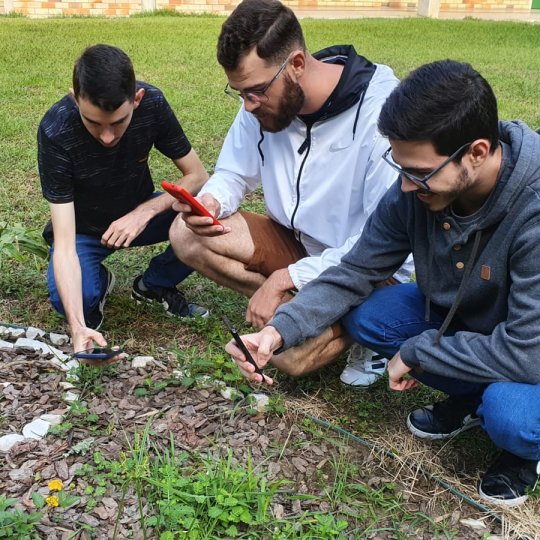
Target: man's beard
290, 104
441, 200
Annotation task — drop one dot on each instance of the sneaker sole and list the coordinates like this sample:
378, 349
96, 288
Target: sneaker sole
502, 502
142, 299
359, 387
441, 436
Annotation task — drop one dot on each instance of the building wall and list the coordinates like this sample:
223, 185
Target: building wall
122, 8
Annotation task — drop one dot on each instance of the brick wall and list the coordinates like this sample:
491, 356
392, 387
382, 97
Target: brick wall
47, 8
112, 8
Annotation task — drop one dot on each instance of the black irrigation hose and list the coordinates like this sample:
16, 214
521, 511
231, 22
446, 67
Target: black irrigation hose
10, 325
388, 453
370, 445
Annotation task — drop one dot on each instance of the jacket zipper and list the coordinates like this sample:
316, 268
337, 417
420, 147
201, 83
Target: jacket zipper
306, 146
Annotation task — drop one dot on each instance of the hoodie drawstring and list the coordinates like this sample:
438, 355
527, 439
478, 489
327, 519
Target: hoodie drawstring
461, 290
360, 101
427, 307
259, 144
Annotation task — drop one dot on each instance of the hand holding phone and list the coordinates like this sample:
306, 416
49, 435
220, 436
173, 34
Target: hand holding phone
185, 197
99, 356
241, 345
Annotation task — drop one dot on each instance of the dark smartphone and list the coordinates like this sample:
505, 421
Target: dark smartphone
98, 353
187, 198
232, 329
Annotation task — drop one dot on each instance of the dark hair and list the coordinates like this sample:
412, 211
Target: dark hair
104, 75
267, 24
447, 103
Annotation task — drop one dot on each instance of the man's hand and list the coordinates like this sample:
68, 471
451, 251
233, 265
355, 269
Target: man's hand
203, 226
84, 338
261, 346
268, 297
121, 232
397, 370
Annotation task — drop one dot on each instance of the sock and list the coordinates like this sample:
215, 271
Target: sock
142, 286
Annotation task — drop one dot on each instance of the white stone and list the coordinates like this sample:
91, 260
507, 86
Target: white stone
8, 441
476, 524
142, 361
33, 333
231, 393
66, 385
259, 402
16, 332
58, 339
70, 396
53, 419
4, 331
36, 429
72, 364
5, 344
44, 348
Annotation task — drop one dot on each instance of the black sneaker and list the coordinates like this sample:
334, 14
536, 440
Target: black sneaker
444, 419
509, 480
171, 299
94, 319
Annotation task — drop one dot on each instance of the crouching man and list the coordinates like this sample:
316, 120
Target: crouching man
469, 210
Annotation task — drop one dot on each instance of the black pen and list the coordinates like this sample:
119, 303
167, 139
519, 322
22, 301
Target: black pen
242, 346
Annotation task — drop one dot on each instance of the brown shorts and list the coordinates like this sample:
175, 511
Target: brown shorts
275, 245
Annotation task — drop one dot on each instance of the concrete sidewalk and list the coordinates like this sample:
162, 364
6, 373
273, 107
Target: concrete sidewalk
532, 16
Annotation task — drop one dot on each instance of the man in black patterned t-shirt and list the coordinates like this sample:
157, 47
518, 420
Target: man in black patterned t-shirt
93, 150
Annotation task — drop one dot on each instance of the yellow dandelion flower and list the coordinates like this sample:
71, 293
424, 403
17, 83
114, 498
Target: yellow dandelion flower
56, 485
52, 500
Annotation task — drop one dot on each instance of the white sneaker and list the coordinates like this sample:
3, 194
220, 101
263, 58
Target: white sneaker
364, 367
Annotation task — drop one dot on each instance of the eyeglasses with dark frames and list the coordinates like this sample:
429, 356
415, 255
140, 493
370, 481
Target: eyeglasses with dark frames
422, 182
256, 96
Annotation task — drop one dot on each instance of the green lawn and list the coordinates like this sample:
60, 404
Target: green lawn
177, 54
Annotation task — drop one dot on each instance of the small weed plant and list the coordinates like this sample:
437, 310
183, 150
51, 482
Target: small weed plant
17, 242
16, 523
208, 498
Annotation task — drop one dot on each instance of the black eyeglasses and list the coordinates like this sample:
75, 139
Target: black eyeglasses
256, 96
422, 182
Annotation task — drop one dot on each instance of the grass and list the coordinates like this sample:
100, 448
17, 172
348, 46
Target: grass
177, 54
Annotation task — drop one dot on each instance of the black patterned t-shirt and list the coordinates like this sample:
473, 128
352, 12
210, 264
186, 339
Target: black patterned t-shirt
104, 183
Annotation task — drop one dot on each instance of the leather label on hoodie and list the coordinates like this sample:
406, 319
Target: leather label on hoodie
485, 273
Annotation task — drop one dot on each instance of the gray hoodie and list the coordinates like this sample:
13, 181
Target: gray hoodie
494, 293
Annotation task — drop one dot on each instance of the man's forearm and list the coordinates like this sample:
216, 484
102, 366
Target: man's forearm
193, 182
156, 205
67, 275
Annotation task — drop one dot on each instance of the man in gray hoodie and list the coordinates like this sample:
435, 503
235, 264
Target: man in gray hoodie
468, 207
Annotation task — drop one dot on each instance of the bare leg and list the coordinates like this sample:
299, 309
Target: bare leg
314, 353
219, 258
222, 259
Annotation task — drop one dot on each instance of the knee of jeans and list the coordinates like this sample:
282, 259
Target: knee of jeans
500, 419
362, 325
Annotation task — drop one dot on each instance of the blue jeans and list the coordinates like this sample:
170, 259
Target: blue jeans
509, 412
164, 270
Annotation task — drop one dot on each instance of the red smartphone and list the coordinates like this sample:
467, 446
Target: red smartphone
185, 197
